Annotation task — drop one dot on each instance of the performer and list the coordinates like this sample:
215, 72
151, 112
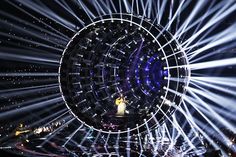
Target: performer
121, 105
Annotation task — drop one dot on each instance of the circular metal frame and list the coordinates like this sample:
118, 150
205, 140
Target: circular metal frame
126, 18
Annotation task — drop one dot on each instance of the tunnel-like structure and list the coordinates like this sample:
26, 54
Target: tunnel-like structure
115, 75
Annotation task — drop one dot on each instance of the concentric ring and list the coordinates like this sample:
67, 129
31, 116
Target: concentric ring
114, 74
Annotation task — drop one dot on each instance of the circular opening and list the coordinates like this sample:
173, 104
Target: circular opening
116, 74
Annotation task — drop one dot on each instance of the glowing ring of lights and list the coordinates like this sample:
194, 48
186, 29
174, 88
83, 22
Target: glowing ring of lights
155, 49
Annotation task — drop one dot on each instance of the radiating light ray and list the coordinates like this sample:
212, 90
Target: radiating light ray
137, 7
32, 49
27, 13
181, 109
30, 32
113, 6
31, 107
155, 18
108, 6
205, 130
207, 65
120, 9
28, 90
170, 14
189, 117
17, 90
216, 86
176, 13
90, 15
58, 115
30, 41
150, 6
52, 134
61, 115
214, 20
28, 74
216, 99
198, 22
50, 14
68, 9
145, 8
204, 116
29, 103
178, 35
209, 109
27, 58
200, 42
196, 9
220, 39
99, 9
31, 52
206, 14
12, 134
167, 131
53, 34
207, 113
175, 121
182, 132
161, 11
214, 53
225, 81
228, 115
158, 8
33, 81
132, 12
127, 6
177, 126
